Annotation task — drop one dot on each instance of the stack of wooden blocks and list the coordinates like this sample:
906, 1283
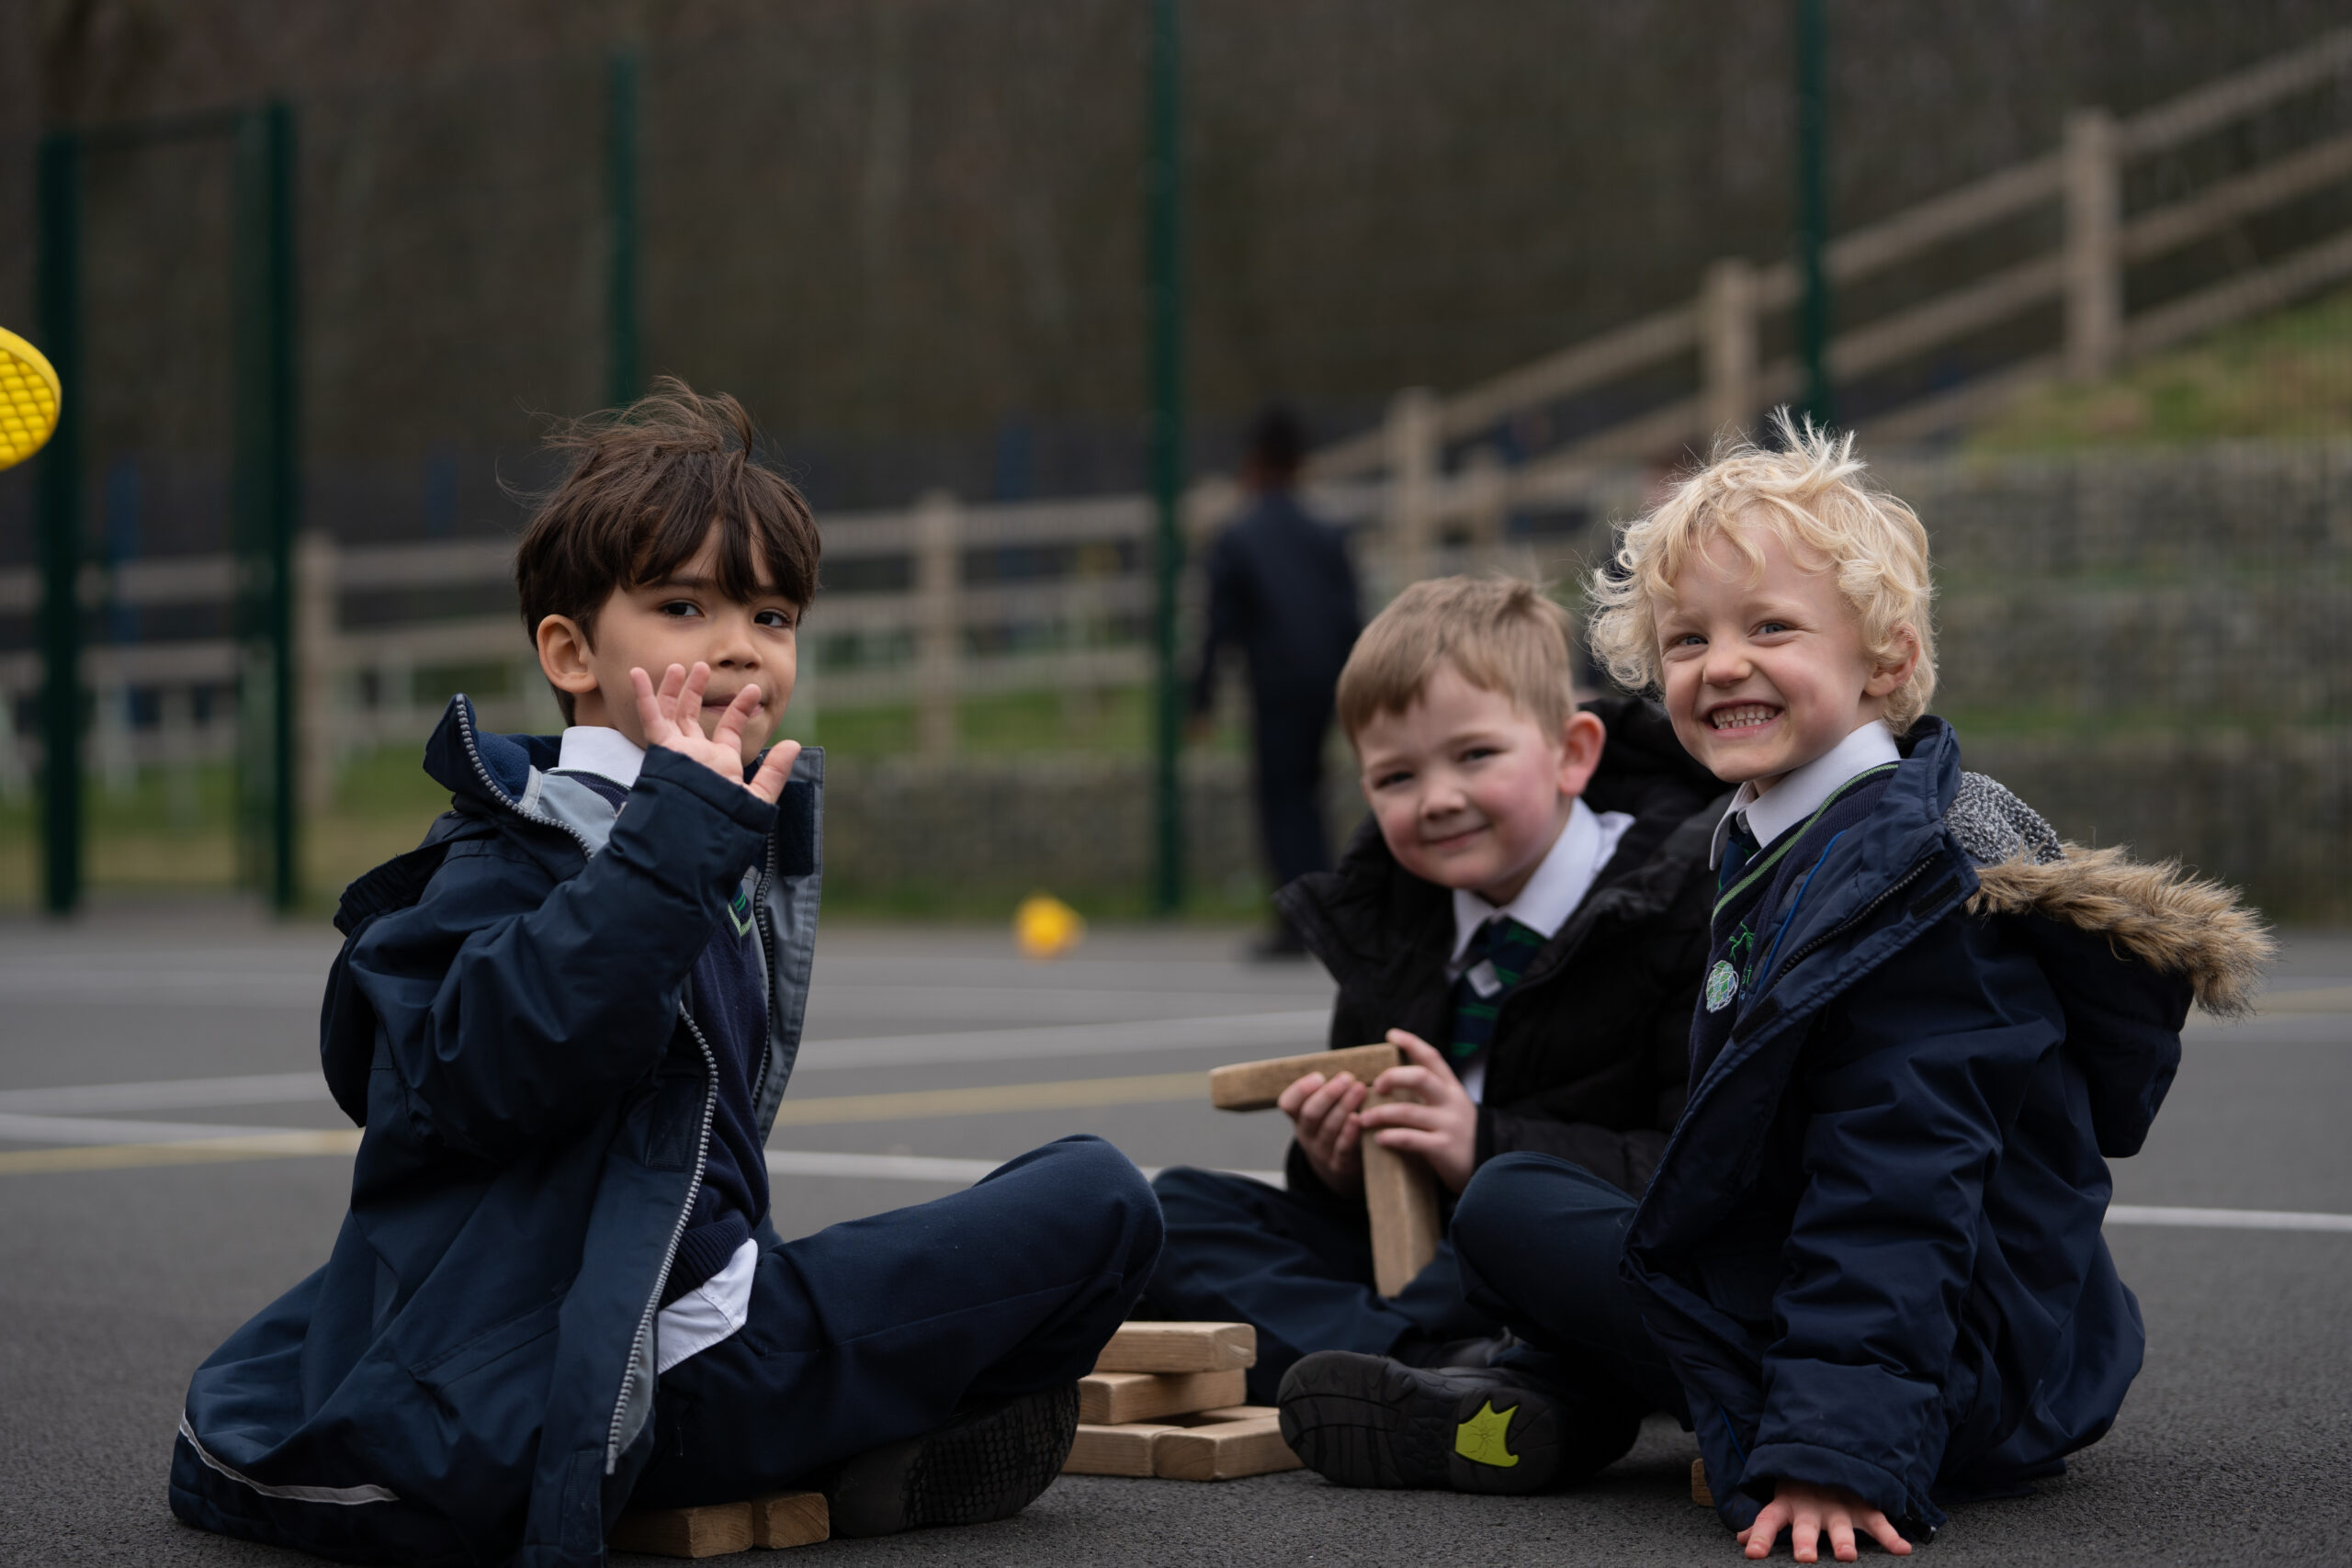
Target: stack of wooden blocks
1166, 1399
788, 1518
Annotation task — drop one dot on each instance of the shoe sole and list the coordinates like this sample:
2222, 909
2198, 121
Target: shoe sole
1368, 1421
989, 1466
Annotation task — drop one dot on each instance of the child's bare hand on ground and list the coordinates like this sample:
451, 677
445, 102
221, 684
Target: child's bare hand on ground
672, 719
1808, 1511
1323, 1113
1434, 1117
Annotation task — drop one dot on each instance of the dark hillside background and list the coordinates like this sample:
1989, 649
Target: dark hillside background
907, 231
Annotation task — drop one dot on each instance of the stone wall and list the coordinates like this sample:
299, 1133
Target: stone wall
2153, 650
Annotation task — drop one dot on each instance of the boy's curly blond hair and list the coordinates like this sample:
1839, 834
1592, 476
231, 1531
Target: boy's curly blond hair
1812, 494
1501, 634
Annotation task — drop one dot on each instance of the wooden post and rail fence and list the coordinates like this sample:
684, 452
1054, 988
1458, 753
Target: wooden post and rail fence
953, 617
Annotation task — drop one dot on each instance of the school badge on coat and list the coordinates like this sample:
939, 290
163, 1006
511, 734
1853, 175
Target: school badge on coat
1723, 984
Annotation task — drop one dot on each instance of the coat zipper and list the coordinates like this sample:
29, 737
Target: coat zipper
767, 958
677, 1232
1858, 916
709, 1101
473, 755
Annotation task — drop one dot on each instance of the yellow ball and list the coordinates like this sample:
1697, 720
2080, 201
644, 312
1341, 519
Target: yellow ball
28, 399
1045, 926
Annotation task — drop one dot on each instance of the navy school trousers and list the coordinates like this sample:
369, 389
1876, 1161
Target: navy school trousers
1540, 1240
877, 1329
1298, 1266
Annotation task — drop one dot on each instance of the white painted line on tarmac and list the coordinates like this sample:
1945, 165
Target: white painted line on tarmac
94, 1130
173, 1094
2226, 1219
1239, 1031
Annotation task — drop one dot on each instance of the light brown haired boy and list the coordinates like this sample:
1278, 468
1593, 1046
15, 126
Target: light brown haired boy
1521, 917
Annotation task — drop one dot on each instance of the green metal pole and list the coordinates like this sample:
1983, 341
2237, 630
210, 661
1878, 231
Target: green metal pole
1164, 250
1812, 208
621, 188
265, 489
58, 290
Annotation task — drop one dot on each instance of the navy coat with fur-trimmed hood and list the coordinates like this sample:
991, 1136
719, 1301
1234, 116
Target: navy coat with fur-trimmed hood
470, 1379
1872, 1248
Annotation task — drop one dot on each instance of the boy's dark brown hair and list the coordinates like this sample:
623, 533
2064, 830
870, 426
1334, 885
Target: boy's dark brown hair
650, 481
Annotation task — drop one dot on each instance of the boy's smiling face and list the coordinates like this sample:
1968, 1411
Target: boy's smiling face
1761, 673
1468, 789
683, 619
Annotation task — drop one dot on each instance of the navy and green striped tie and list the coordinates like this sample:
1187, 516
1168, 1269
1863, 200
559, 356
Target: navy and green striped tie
1498, 954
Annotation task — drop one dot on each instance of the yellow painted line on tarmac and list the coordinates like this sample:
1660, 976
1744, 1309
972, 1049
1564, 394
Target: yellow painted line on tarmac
1072, 1094
192, 1151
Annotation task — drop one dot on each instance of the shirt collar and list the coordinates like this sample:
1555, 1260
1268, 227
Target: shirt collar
1559, 883
593, 749
1801, 790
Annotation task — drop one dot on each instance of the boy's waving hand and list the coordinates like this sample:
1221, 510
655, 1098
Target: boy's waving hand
672, 719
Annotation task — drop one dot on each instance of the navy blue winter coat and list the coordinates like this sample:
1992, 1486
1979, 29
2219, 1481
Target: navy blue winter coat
471, 1377
1871, 1248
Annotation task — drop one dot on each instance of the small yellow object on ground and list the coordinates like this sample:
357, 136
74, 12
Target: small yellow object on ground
28, 399
1046, 927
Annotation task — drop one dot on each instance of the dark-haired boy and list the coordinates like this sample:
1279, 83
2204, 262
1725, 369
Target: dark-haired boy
565, 1022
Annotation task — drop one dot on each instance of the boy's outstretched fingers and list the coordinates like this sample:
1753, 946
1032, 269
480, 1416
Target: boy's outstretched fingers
774, 769
1807, 1511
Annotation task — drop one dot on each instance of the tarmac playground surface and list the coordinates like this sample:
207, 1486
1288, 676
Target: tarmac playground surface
169, 1162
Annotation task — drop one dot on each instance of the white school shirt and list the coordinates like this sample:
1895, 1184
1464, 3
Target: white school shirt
721, 1304
1568, 869
1801, 790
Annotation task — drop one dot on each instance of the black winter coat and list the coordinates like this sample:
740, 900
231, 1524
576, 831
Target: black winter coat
1591, 1048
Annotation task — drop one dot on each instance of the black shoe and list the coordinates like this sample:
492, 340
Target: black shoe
1415, 1352
1370, 1421
984, 1464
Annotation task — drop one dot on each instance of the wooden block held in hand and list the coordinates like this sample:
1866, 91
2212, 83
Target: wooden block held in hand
712, 1531
1113, 1450
1222, 1450
790, 1519
1255, 1086
1400, 1195
1114, 1399
1700, 1493
1179, 1348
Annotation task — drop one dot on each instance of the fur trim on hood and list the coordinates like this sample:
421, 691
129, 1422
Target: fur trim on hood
2170, 921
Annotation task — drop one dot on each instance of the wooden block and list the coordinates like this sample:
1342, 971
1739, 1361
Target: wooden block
1700, 1493
1113, 1450
1222, 1450
1400, 1193
1231, 1413
1114, 1399
1179, 1348
713, 1531
1255, 1086
790, 1519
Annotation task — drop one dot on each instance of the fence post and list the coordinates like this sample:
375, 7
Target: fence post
1487, 498
2094, 257
1413, 457
318, 670
1727, 350
938, 625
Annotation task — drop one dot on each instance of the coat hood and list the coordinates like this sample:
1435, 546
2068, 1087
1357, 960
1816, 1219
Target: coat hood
2156, 915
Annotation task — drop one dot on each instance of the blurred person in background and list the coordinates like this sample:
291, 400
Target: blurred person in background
1281, 588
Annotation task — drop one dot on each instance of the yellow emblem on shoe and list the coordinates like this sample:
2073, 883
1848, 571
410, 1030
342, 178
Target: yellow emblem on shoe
1481, 1440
